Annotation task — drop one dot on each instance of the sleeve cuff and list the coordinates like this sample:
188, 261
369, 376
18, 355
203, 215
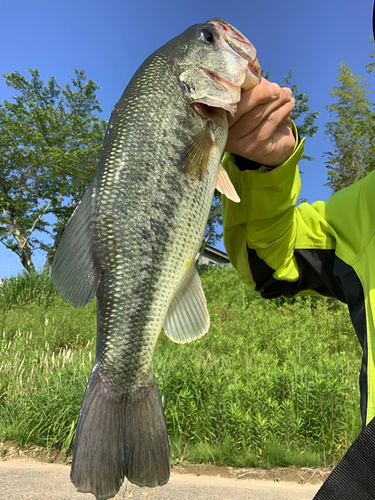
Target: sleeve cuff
246, 164
262, 202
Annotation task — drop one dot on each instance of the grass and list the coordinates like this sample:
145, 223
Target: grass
273, 383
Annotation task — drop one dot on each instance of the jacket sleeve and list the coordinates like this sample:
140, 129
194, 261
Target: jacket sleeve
265, 219
278, 248
326, 248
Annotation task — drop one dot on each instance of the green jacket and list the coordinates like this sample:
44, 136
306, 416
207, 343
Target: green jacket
326, 248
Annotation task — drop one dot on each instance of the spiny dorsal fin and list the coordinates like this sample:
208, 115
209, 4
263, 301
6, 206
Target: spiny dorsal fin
195, 157
225, 186
187, 318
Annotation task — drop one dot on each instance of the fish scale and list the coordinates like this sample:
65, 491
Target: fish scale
167, 246
133, 240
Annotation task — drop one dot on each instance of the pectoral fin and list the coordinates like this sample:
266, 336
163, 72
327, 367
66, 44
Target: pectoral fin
75, 269
195, 157
225, 186
187, 318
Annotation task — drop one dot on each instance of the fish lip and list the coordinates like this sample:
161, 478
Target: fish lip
255, 69
238, 43
235, 39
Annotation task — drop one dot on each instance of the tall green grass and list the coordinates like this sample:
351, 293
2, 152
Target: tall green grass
273, 383
27, 289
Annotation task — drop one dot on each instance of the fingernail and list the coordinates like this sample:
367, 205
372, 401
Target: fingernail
274, 89
288, 91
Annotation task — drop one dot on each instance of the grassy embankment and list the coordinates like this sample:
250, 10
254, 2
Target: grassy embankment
273, 383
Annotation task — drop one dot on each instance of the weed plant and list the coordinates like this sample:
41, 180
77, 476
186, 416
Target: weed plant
273, 383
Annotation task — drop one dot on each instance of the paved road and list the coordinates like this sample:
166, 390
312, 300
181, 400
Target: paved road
21, 480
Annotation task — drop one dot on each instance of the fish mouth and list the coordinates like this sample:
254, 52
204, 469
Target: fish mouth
240, 71
243, 47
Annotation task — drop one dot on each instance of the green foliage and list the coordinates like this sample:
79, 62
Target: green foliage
352, 133
302, 117
273, 383
50, 143
371, 66
269, 376
27, 288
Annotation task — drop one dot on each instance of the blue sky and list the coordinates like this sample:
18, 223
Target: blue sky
110, 39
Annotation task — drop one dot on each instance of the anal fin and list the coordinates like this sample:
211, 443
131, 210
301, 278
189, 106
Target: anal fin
187, 318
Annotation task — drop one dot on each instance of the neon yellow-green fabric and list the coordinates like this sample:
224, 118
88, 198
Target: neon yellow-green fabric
268, 221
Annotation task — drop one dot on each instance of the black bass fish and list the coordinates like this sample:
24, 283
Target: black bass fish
133, 239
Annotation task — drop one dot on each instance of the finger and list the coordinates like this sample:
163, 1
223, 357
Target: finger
264, 133
263, 93
288, 91
271, 124
260, 94
282, 115
284, 145
253, 118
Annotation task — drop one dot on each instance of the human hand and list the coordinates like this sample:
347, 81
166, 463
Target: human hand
261, 129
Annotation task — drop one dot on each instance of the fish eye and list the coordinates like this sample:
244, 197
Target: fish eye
206, 35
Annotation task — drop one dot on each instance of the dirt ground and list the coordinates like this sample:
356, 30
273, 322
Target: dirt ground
305, 475
33, 474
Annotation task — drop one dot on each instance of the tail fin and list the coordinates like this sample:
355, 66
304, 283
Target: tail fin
120, 437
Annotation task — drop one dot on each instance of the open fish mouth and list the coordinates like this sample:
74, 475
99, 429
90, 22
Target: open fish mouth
243, 47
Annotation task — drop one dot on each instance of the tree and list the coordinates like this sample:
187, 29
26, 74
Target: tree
306, 127
352, 132
50, 144
371, 66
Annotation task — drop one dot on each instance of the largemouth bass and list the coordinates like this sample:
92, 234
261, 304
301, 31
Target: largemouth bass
133, 239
